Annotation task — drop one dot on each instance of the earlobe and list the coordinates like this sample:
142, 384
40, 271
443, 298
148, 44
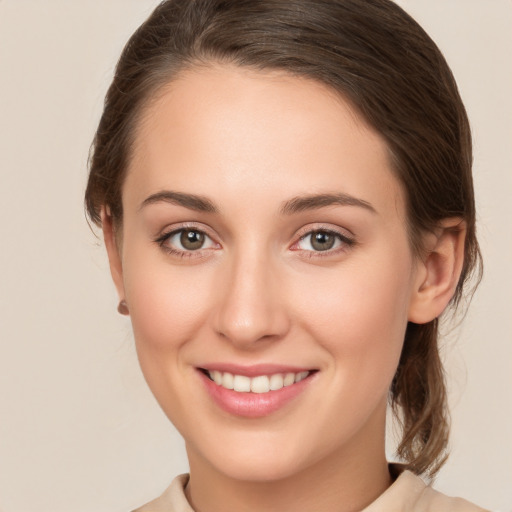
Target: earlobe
438, 272
114, 256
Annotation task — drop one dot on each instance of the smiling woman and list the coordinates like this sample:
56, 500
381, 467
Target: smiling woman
287, 206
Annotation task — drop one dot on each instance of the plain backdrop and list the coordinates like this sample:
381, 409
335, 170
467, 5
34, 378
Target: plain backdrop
78, 428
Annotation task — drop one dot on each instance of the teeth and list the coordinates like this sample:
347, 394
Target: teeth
259, 384
276, 382
289, 379
217, 377
300, 376
242, 383
227, 380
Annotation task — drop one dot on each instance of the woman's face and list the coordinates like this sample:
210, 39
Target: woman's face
264, 242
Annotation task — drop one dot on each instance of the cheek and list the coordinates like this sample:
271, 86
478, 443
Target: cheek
359, 316
167, 303
168, 307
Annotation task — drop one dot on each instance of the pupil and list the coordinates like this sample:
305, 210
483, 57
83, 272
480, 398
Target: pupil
322, 241
191, 240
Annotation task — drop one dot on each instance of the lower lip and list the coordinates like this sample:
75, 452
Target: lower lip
253, 405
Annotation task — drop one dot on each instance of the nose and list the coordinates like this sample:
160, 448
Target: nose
251, 308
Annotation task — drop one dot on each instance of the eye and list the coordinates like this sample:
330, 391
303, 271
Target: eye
191, 240
322, 240
186, 240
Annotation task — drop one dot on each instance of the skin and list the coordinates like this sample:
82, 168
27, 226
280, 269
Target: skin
258, 292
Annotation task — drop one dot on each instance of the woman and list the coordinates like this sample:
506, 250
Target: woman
285, 193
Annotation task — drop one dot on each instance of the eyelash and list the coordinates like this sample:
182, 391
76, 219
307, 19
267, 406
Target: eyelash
165, 237
346, 241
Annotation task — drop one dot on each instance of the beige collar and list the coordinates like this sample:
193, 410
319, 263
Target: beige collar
407, 494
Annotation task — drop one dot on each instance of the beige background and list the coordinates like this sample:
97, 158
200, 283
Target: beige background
78, 429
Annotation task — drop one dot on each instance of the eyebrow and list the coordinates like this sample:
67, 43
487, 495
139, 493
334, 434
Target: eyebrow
293, 205
190, 201
316, 201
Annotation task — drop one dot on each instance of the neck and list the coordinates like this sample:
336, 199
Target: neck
342, 482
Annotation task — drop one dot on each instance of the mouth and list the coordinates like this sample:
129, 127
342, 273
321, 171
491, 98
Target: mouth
257, 384
257, 391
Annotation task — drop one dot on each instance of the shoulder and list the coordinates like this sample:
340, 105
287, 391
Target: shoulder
434, 500
172, 500
409, 493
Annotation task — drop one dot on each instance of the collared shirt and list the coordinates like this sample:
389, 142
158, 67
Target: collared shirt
408, 493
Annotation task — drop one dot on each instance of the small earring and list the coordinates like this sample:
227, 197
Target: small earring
122, 308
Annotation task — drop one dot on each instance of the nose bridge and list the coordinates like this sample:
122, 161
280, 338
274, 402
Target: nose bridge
250, 308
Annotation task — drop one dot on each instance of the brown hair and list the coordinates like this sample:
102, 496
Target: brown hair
383, 62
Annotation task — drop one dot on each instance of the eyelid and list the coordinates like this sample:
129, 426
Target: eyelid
346, 237
172, 230
181, 226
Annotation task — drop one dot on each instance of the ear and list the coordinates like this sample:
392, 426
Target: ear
114, 255
438, 271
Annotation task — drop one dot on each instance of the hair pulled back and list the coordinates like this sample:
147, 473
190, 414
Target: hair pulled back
379, 59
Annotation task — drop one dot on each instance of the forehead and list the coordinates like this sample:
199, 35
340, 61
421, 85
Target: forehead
245, 132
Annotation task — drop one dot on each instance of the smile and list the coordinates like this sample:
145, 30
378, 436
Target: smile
255, 391
257, 384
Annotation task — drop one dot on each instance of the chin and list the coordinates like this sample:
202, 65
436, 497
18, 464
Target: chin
260, 469
260, 459
264, 469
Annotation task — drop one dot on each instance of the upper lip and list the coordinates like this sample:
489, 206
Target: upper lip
254, 370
